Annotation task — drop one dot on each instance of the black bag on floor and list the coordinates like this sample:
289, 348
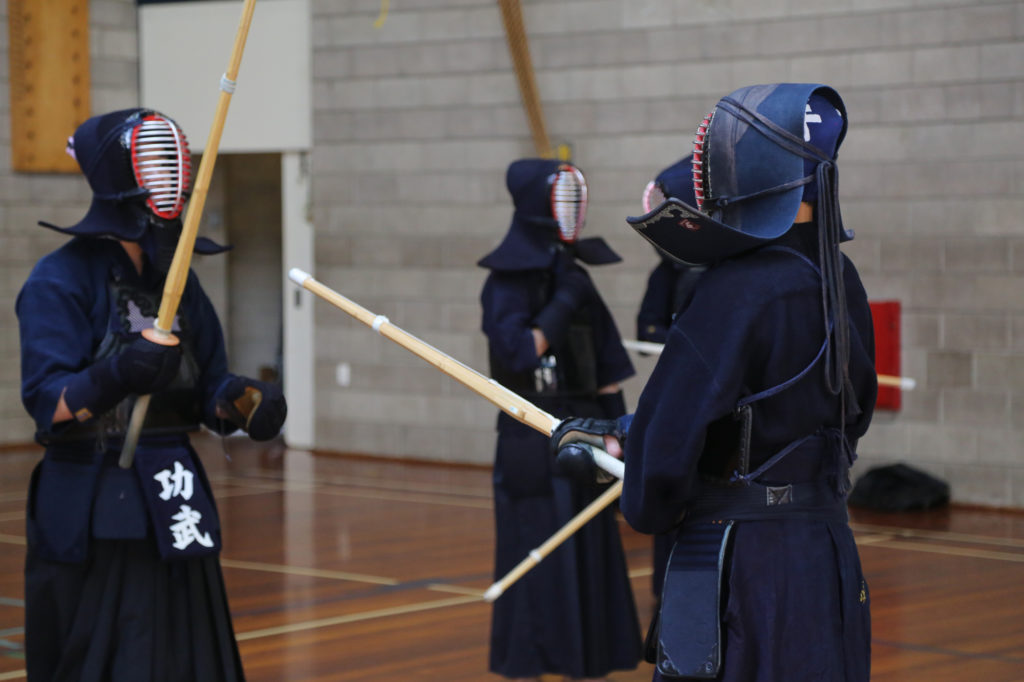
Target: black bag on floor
898, 487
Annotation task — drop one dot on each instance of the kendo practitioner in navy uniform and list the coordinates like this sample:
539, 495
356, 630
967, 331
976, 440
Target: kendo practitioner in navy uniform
553, 341
671, 282
669, 288
122, 576
743, 436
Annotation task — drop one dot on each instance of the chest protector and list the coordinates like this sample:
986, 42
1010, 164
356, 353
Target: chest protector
566, 371
731, 490
175, 409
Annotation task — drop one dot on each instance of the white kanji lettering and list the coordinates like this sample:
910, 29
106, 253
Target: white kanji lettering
186, 531
176, 483
809, 117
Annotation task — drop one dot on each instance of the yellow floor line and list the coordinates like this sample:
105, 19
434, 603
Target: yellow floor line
342, 491
13, 675
938, 535
226, 494
439, 489
366, 482
641, 572
406, 497
341, 575
355, 617
12, 539
951, 551
12, 516
873, 539
273, 486
455, 589
310, 572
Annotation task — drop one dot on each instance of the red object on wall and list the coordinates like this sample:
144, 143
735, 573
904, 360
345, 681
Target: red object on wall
886, 318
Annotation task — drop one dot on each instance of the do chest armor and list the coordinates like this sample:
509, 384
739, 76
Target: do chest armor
177, 408
565, 371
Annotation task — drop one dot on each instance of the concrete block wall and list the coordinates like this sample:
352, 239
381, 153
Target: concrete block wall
416, 121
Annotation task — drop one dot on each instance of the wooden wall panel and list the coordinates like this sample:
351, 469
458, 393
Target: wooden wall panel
49, 83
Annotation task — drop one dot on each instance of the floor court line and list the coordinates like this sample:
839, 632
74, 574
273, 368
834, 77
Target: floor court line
343, 491
352, 577
405, 497
938, 535
873, 539
355, 617
257, 477
309, 572
943, 651
376, 483
455, 589
950, 551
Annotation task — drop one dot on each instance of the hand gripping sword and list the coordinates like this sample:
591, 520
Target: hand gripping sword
177, 274
509, 402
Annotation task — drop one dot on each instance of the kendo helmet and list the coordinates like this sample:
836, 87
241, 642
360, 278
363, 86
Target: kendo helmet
549, 193
550, 207
139, 165
761, 151
674, 181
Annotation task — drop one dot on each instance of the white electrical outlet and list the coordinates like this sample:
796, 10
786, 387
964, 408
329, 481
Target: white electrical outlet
343, 374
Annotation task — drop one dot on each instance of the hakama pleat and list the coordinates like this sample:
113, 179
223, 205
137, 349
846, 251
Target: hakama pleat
125, 616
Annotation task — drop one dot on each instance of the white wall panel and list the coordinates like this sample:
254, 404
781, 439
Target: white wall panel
184, 48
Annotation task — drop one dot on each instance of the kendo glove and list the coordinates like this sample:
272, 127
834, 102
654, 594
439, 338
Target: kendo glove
256, 407
572, 290
143, 367
571, 442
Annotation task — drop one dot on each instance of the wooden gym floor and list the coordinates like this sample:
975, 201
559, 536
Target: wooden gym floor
358, 569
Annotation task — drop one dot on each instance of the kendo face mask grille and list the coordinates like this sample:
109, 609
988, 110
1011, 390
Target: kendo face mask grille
700, 148
569, 202
654, 196
162, 164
